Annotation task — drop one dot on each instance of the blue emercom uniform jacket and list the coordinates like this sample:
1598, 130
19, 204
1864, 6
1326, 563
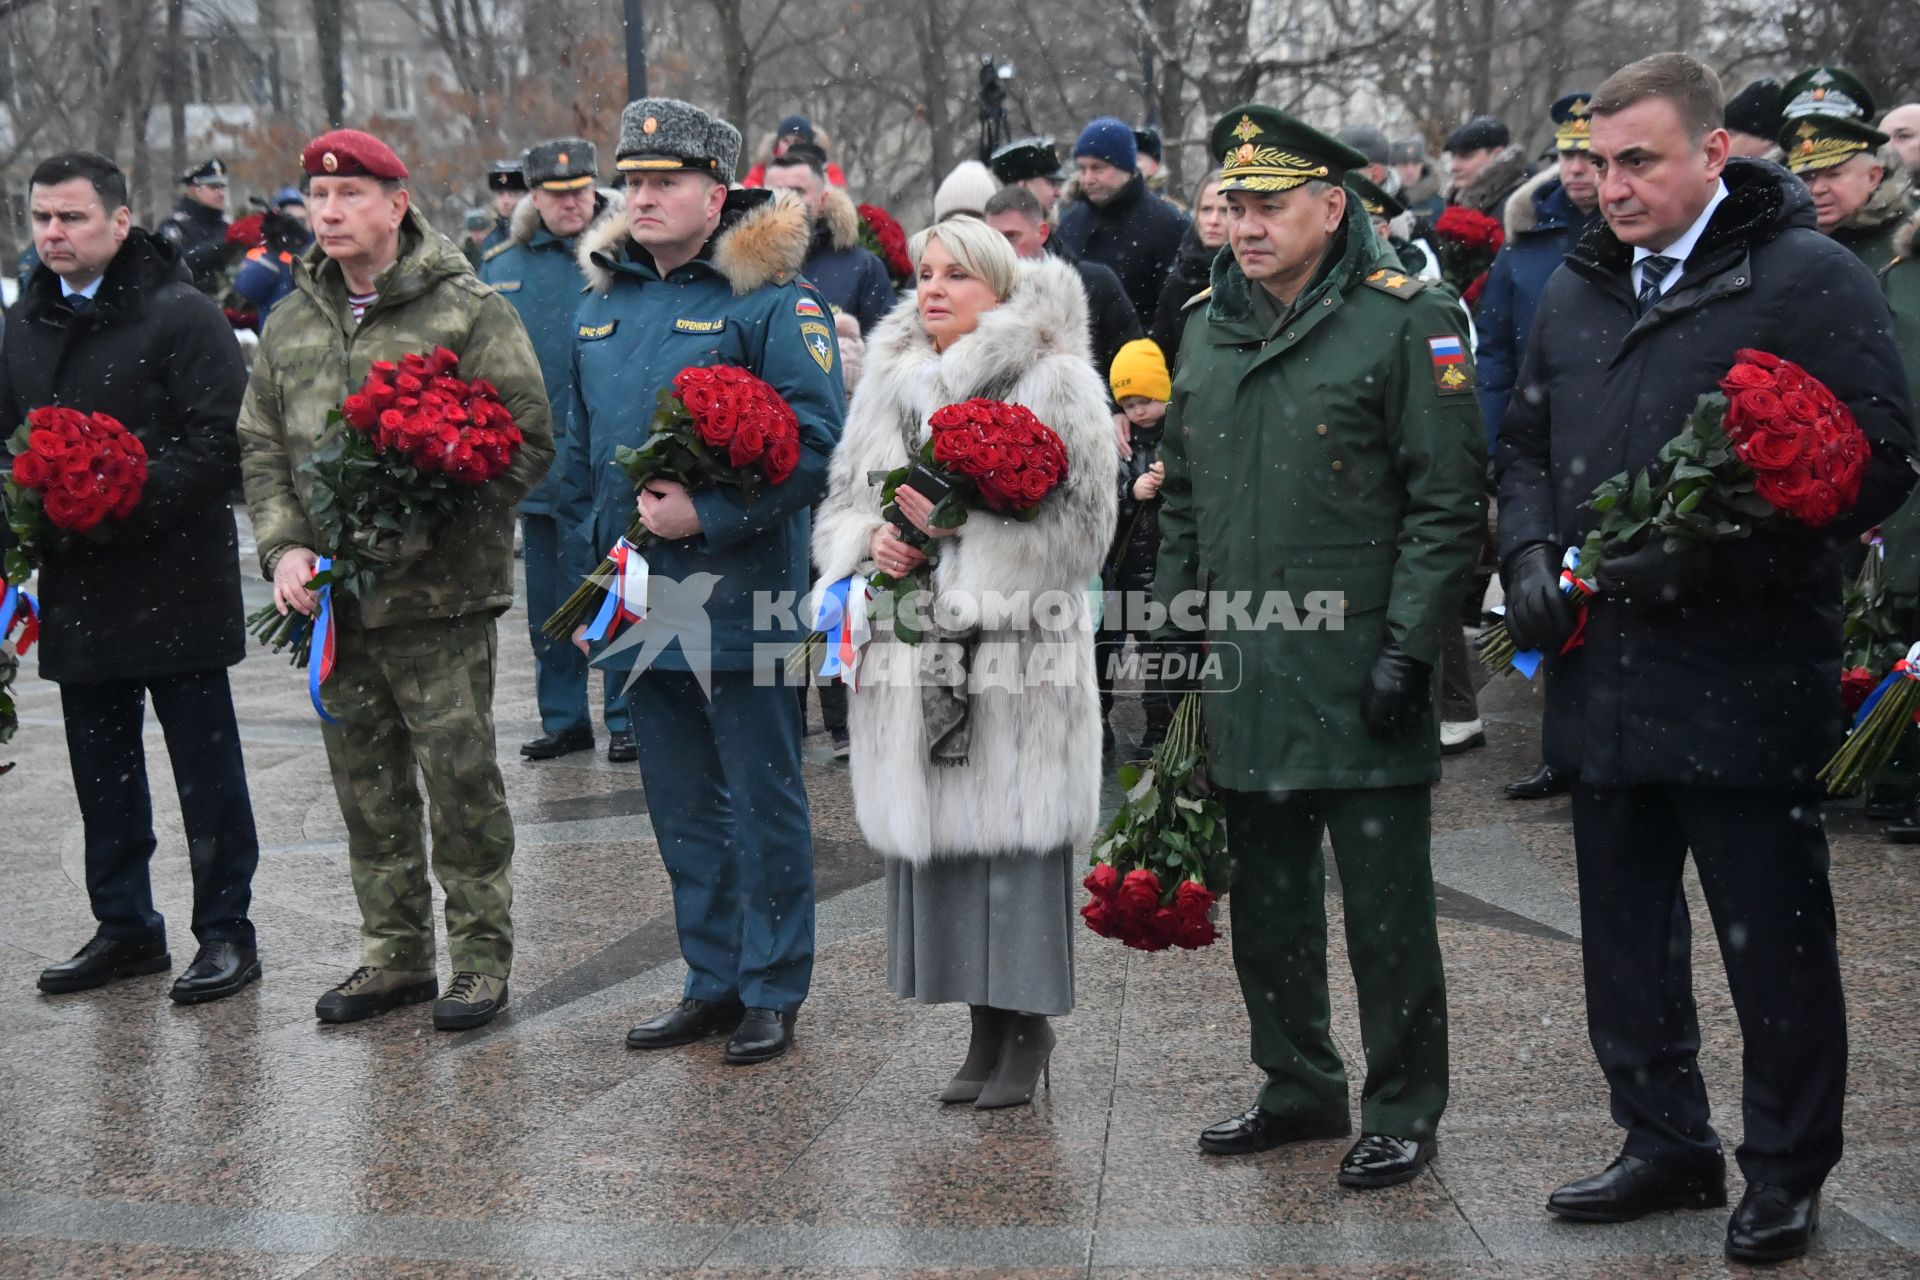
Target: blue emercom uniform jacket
536, 271
741, 302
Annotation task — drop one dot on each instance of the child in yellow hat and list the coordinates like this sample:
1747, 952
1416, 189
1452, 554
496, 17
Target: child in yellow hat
1141, 387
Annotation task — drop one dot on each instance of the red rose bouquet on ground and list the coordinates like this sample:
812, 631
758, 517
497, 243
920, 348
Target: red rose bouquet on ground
1166, 845
72, 473
715, 426
979, 453
1468, 241
1774, 449
390, 473
881, 236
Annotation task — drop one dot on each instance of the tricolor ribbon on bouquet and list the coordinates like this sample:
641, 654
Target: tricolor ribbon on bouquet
15, 605
841, 613
1527, 661
1908, 668
626, 594
320, 665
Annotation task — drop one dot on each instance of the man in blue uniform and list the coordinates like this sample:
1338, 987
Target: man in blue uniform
535, 268
696, 275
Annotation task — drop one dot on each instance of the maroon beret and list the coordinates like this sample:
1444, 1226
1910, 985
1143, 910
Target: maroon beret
349, 153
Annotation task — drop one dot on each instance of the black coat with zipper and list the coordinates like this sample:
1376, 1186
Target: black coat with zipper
1737, 685
1136, 233
162, 597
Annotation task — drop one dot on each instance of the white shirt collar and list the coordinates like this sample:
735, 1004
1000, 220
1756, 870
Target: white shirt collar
87, 292
1680, 250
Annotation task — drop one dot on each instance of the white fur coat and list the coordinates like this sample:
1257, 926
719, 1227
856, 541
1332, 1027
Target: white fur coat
1032, 781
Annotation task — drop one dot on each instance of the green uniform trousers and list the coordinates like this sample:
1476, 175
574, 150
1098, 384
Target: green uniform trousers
420, 697
1382, 842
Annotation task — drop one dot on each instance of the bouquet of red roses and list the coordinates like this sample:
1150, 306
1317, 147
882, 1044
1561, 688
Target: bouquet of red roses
1168, 842
984, 453
1468, 241
715, 425
72, 472
1774, 449
390, 472
881, 236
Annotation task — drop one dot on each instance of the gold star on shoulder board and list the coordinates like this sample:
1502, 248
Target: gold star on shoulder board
1396, 281
1380, 272
1246, 130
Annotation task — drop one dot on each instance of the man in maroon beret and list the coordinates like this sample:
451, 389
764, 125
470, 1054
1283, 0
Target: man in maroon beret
412, 684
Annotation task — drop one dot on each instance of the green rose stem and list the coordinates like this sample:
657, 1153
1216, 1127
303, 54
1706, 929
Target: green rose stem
587, 597
1874, 740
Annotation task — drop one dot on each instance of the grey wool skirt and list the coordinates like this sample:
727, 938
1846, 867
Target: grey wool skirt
976, 930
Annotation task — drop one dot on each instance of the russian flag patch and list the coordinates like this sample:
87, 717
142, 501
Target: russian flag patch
1452, 375
807, 307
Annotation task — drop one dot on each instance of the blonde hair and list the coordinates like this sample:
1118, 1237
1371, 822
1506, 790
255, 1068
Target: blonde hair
980, 251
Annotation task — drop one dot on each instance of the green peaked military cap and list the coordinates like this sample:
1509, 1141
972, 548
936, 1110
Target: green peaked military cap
1263, 149
1373, 198
1821, 142
1826, 91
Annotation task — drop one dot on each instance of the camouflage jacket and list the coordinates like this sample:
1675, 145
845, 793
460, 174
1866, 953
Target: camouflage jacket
312, 355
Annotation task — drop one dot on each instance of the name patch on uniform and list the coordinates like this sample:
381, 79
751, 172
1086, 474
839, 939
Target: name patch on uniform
807, 307
819, 340
594, 332
506, 286
699, 326
1451, 373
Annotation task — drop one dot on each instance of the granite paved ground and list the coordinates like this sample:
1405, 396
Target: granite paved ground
242, 1139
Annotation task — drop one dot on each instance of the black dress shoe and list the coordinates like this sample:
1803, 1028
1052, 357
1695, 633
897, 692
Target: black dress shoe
763, 1035
105, 960
1382, 1160
620, 748
1632, 1188
1772, 1224
1258, 1130
218, 971
1888, 803
1538, 785
685, 1023
551, 746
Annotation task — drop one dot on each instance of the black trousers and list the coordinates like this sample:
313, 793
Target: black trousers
109, 766
1762, 858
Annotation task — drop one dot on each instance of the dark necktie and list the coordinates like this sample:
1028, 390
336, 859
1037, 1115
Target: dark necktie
1653, 270
79, 301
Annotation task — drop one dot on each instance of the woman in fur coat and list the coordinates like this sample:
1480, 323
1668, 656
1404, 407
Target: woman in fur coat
979, 847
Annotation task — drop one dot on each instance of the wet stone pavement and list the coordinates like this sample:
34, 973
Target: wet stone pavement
242, 1139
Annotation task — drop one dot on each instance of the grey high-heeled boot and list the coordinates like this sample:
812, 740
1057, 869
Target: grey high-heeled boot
1026, 1052
983, 1051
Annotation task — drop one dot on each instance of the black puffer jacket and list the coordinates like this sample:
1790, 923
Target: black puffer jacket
1136, 233
1192, 272
163, 597
1136, 536
1737, 686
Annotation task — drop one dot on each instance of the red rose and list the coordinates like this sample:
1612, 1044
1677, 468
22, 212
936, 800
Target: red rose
1102, 880
30, 471
444, 361
1744, 376
414, 366
1770, 449
1800, 407
1765, 359
359, 411
51, 445
1099, 917
1752, 408
782, 456
1139, 894
62, 509
1855, 684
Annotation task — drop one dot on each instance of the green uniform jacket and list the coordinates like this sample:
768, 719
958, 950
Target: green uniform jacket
1901, 530
1331, 449
312, 356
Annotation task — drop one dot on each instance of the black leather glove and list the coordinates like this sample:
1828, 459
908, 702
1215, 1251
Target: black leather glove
1652, 573
1539, 614
1399, 691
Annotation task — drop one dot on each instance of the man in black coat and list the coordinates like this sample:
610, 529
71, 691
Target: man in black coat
1016, 214
197, 227
1115, 221
111, 323
1706, 694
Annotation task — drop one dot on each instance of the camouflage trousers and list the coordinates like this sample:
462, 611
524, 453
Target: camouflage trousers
420, 697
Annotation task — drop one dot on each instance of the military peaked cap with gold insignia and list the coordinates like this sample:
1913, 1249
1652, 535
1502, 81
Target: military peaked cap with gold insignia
1821, 142
562, 164
1572, 122
211, 173
1261, 149
1373, 198
665, 134
1826, 91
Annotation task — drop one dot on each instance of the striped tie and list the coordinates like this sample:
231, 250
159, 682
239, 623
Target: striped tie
1653, 270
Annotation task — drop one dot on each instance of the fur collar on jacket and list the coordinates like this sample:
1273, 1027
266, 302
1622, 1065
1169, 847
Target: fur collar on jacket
762, 240
1489, 189
841, 219
1890, 200
1522, 217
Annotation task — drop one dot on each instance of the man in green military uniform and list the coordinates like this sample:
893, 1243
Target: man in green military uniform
1858, 183
412, 684
1324, 440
